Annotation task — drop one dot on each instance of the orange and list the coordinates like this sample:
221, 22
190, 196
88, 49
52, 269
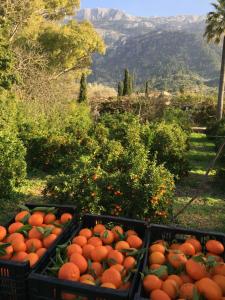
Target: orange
15, 237
157, 248
187, 291
69, 271
36, 220
131, 232
122, 245
219, 269
97, 268
57, 231
215, 247
49, 218
40, 213
176, 259
111, 275
129, 263
99, 228
120, 268
159, 295
67, 296
35, 234
115, 257
195, 243
186, 278
19, 246
209, 289
66, 217
87, 281
3, 233
74, 248
33, 245
80, 240
32, 258
99, 253
117, 231
21, 215
177, 279
195, 270
187, 249
87, 277
109, 248
95, 241
14, 227
220, 281
86, 232
170, 287
49, 240
134, 241
157, 258
20, 256
9, 252
151, 282
79, 261
107, 237
87, 250
108, 285
40, 252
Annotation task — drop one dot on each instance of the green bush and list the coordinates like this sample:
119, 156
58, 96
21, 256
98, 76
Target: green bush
51, 138
12, 163
170, 145
178, 116
114, 174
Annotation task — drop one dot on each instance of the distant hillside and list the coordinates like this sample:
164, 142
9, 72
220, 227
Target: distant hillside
159, 49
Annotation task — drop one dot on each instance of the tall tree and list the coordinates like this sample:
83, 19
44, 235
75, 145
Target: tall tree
146, 89
130, 89
126, 83
120, 89
83, 89
215, 31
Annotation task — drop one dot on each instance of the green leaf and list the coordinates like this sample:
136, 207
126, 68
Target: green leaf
40, 229
24, 207
24, 228
196, 295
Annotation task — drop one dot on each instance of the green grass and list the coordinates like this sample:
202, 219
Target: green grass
208, 211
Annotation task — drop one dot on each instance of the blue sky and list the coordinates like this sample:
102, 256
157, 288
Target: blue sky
154, 7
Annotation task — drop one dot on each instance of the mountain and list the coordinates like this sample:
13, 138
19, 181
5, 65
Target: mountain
167, 51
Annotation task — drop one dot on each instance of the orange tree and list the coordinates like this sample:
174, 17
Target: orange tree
114, 174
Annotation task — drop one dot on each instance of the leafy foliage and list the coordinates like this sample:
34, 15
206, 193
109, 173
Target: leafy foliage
113, 171
83, 89
170, 143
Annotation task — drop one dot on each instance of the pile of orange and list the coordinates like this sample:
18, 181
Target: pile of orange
30, 235
102, 257
182, 271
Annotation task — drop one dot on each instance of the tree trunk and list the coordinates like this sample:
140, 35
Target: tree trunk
222, 84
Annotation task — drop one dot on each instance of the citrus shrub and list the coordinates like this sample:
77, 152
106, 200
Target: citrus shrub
12, 163
50, 138
170, 145
114, 174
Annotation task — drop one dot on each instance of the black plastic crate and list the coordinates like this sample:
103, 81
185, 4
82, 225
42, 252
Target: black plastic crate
42, 286
179, 234
13, 275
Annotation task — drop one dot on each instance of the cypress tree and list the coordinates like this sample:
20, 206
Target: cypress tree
126, 83
146, 89
130, 87
120, 89
83, 89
